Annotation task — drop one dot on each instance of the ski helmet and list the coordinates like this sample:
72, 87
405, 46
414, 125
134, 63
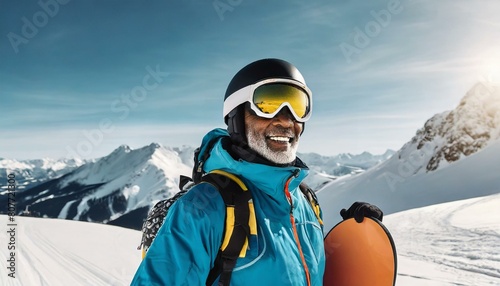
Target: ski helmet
265, 69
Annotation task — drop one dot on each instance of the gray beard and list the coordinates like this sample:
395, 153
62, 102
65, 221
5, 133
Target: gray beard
257, 142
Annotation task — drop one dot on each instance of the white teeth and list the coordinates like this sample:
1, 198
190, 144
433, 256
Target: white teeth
282, 139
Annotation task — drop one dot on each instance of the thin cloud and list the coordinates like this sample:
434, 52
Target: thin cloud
31, 143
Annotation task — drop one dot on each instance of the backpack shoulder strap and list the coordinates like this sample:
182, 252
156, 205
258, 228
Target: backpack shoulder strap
312, 199
240, 223
200, 157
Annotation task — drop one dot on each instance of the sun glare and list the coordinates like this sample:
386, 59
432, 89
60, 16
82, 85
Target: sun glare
491, 69
494, 75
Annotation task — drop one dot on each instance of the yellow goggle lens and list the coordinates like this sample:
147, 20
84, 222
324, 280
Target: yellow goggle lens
269, 97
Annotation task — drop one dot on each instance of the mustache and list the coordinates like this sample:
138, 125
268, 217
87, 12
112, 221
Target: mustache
281, 131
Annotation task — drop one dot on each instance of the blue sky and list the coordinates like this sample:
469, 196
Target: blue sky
80, 78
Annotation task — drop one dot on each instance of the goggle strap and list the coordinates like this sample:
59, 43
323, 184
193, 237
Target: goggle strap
238, 97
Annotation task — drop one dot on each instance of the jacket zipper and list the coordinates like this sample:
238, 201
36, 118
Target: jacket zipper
294, 227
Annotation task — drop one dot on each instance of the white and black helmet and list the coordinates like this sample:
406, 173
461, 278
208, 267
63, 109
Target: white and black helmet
262, 71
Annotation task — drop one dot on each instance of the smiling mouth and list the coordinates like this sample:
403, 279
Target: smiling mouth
281, 139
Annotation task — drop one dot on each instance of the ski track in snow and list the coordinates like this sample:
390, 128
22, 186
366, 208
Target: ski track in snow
447, 252
59, 252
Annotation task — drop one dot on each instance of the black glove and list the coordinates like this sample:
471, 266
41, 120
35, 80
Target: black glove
359, 210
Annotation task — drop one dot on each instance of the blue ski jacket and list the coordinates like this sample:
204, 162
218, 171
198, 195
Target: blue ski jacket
288, 244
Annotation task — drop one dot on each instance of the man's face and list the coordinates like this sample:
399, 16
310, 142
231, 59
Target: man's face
276, 139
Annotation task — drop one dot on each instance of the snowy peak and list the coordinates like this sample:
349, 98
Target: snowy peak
122, 149
452, 135
30, 173
122, 160
143, 175
119, 188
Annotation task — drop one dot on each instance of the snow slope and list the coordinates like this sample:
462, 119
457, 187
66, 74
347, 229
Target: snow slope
473, 176
59, 252
454, 243
448, 244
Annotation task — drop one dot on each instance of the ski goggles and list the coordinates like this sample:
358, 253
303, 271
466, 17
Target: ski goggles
268, 97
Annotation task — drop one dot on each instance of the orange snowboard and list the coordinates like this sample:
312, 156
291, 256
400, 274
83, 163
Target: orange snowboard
359, 254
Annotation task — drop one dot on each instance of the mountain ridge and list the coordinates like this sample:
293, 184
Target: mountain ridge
106, 188
405, 181
121, 187
451, 135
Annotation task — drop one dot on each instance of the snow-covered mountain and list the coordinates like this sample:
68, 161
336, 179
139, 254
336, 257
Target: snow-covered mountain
324, 169
117, 189
455, 134
441, 245
451, 158
121, 187
30, 173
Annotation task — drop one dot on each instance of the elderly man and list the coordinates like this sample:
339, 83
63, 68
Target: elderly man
266, 106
